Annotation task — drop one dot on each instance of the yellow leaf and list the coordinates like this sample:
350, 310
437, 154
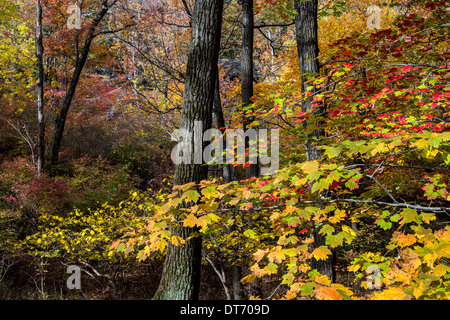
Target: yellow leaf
250, 278
202, 222
190, 221
378, 148
290, 209
233, 201
322, 279
393, 293
440, 270
430, 258
308, 240
161, 245
177, 241
300, 182
257, 271
247, 194
406, 240
321, 253
417, 292
421, 144
277, 255
310, 166
353, 268
259, 254
348, 230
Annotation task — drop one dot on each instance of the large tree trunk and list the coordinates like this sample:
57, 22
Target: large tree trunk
60, 120
308, 51
247, 70
40, 89
181, 274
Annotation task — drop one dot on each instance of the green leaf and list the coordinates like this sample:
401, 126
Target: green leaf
335, 240
320, 185
121, 247
326, 229
271, 268
191, 195
250, 233
307, 289
385, 225
409, 215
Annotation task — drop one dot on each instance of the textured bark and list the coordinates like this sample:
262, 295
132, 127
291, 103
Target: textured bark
60, 119
308, 52
221, 125
247, 70
247, 51
236, 272
180, 278
40, 89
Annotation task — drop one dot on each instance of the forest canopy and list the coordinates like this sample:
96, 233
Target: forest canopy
225, 149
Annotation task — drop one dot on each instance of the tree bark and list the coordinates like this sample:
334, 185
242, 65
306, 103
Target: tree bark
40, 89
308, 51
221, 125
180, 278
236, 272
247, 71
60, 120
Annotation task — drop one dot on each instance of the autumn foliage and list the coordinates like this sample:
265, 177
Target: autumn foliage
379, 194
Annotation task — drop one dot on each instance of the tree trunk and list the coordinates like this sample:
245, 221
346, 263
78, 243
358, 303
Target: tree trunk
236, 272
221, 125
308, 51
180, 278
60, 120
247, 71
40, 89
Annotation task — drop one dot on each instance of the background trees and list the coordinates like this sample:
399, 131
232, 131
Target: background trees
364, 161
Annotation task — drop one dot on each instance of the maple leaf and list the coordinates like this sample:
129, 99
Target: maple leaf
277, 255
310, 166
190, 221
233, 201
421, 144
259, 254
321, 253
406, 69
177, 241
327, 293
378, 149
406, 240
191, 195
250, 278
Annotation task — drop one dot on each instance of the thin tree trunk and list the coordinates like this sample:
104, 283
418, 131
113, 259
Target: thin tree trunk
308, 52
180, 278
246, 93
221, 125
60, 120
40, 89
236, 272
247, 71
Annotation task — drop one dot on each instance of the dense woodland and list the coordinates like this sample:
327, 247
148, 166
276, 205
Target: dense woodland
92, 91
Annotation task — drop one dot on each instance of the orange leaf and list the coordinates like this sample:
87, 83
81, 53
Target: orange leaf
327, 293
